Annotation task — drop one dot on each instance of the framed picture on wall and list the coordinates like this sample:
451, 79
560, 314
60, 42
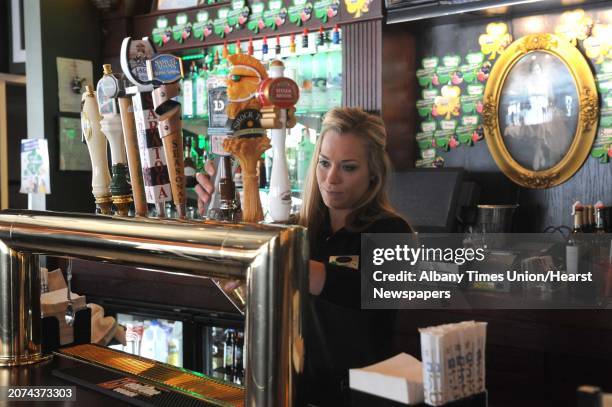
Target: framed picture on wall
73, 153
16, 36
541, 110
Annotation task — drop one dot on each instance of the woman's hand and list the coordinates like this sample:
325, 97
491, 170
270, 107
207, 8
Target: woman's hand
205, 187
316, 277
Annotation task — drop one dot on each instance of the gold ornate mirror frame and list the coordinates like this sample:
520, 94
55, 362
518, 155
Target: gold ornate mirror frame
588, 111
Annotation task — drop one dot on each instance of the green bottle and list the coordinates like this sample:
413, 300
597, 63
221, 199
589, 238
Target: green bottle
201, 110
305, 150
187, 93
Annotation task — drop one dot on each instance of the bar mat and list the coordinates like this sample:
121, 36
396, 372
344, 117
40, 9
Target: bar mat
125, 388
174, 378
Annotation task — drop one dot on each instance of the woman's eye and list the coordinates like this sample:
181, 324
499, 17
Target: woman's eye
236, 78
349, 168
324, 163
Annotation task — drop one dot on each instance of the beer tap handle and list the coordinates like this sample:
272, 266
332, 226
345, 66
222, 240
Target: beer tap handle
133, 155
97, 146
164, 71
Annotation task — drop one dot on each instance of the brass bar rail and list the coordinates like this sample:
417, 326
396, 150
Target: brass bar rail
271, 260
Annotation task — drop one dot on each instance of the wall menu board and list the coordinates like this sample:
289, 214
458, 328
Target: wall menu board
453, 73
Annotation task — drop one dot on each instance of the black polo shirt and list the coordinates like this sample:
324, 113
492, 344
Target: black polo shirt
340, 335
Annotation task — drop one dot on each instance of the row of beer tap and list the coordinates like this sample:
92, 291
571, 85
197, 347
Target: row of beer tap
137, 114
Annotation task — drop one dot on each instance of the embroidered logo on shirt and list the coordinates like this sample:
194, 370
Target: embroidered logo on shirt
345, 261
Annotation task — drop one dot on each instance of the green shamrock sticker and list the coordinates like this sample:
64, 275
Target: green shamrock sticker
276, 15
604, 82
602, 148
300, 12
425, 76
162, 34
442, 138
428, 154
430, 93
470, 120
471, 104
424, 140
203, 27
469, 72
475, 90
238, 16
605, 122
448, 124
326, 9
443, 75
220, 25
429, 126
451, 61
182, 29
474, 58
430, 63
464, 134
424, 107
256, 22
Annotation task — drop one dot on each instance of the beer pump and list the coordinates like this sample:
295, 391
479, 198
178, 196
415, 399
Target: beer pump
108, 89
164, 71
134, 56
96, 144
278, 95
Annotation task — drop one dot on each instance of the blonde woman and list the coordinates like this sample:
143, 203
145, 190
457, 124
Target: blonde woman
344, 195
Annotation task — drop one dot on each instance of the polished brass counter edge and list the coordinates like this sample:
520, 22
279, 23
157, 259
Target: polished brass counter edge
7, 362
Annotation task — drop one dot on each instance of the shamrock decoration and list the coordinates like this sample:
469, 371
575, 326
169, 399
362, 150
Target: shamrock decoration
574, 25
495, 40
357, 7
448, 103
599, 45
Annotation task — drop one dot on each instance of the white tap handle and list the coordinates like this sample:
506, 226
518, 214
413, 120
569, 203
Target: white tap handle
112, 129
96, 144
280, 186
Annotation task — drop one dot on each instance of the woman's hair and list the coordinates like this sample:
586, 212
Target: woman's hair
374, 204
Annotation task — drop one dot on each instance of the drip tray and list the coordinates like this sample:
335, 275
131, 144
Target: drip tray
145, 382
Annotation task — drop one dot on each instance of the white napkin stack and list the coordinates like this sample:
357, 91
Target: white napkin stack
399, 378
453, 361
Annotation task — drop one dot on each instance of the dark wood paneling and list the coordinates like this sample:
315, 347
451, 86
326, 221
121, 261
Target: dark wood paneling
399, 95
361, 64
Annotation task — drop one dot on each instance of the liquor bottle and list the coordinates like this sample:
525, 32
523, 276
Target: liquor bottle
238, 177
304, 156
262, 173
264, 47
250, 49
600, 218
187, 92
577, 212
277, 47
201, 110
589, 217
190, 168
202, 153
304, 82
319, 82
229, 351
334, 79
291, 154
238, 367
